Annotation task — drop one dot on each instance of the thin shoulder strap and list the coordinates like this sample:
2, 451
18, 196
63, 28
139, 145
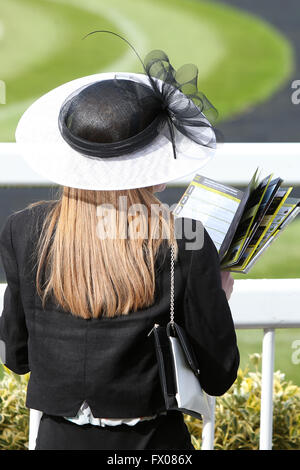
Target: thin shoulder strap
172, 284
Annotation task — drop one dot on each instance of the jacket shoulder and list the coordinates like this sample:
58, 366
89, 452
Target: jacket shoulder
193, 236
30, 215
31, 211
26, 223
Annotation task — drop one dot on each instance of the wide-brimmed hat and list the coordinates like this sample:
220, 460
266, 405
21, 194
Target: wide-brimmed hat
182, 141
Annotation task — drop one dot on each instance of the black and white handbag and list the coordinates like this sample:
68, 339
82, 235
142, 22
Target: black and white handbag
178, 369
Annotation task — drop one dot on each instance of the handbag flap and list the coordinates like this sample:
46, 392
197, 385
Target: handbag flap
186, 346
190, 396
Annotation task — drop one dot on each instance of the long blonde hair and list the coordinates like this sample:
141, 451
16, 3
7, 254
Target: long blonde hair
91, 275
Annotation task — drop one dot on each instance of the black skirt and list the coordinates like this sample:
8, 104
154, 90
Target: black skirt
165, 432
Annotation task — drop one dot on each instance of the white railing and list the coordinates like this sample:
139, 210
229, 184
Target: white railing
265, 304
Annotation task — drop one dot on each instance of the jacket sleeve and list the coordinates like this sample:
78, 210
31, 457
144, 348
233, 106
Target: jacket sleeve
208, 321
13, 330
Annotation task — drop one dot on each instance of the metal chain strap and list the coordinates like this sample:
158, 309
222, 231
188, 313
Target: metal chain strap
171, 291
172, 284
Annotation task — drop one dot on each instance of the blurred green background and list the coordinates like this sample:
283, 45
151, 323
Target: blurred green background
242, 59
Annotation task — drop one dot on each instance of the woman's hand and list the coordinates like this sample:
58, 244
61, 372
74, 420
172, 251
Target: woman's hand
227, 283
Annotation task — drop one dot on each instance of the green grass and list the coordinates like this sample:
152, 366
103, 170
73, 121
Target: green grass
242, 60
281, 260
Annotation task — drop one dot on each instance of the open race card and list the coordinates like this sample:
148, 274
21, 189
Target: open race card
242, 224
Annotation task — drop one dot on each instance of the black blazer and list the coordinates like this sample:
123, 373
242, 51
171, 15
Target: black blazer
110, 362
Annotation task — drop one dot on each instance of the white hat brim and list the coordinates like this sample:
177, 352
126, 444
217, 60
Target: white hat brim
44, 149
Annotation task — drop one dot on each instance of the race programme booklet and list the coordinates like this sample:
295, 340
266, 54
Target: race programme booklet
242, 224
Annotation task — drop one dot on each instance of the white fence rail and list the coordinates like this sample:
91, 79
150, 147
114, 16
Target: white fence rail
265, 304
